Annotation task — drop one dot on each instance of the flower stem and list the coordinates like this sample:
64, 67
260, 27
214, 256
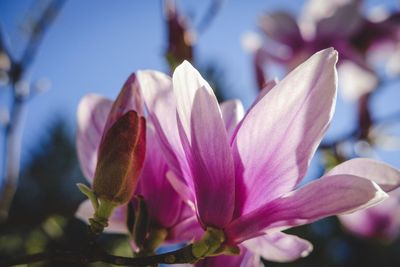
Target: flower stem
183, 255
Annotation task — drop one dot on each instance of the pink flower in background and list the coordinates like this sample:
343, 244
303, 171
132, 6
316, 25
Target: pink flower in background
166, 209
242, 178
338, 24
383, 220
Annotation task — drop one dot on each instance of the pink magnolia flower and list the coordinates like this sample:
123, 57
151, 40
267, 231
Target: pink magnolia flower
242, 178
383, 220
166, 209
276, 246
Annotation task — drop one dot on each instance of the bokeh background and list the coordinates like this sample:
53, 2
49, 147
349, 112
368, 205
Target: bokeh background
93, 46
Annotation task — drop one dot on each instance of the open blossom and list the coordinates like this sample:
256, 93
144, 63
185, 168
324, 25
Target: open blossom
166, 210
242, 179
383, 220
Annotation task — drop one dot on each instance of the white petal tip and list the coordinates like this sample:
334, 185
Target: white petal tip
185, 64
330, 53
305, 253
381, 195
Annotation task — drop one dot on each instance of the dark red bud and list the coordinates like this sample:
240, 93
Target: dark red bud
120, 159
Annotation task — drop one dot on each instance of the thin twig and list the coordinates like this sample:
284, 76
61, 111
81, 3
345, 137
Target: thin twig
14, 129
183, 255
209, 15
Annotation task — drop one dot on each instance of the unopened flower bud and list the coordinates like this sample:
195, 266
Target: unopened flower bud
120, 159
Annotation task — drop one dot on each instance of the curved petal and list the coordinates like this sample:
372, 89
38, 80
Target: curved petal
186, 83
161, 106
260, 96
116, 223
129, 98
280, 134
207, 149
186, 230
245, 259
387, 177
279, 247
232, 113
380, 221
163, 202
324, 197
92, 116
181, 188
268, 86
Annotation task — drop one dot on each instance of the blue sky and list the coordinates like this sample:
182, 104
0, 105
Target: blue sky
95, 44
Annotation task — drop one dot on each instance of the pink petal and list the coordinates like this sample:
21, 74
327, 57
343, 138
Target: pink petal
271, 84
92, 115
116, 223
161, 105
186, 82
245, 259
279, 247
260, 96
212, 162
324, 197
380, 221
163, 202
387, 177
185, 231
181, 188
207, 147
280, 134
232, 113
128, 99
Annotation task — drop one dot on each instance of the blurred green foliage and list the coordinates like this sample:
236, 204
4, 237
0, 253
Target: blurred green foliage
42, 216
42, 213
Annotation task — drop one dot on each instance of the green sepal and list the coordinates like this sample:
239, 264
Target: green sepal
101, 215
209, 243
155, 238
89, 194
227, 250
